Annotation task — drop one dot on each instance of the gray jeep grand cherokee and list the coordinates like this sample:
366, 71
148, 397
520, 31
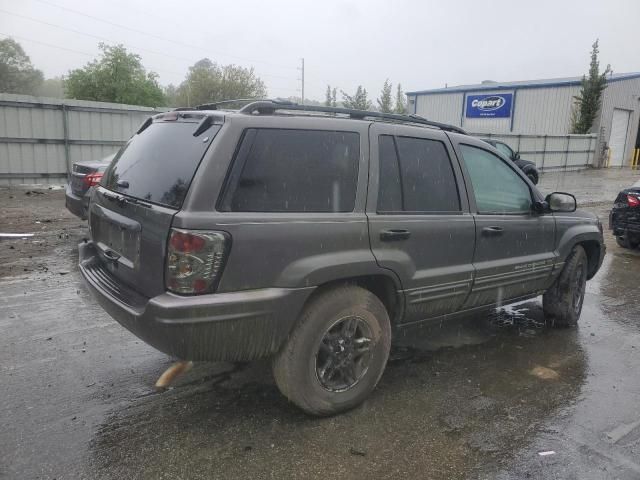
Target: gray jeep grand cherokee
312, 235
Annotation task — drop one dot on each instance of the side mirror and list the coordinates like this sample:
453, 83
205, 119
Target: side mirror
516, 156
561, 202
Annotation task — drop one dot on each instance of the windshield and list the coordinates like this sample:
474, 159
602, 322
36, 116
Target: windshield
158, 164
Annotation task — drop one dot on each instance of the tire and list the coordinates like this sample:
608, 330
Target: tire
562, 303
625, 242
307, 369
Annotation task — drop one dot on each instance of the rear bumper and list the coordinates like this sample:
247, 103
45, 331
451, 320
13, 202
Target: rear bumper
620, 225
75, 204
224, 326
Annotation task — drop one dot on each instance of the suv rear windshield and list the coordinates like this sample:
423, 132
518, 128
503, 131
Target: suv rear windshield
158, 164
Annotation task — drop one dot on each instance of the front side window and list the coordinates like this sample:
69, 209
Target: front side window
497, 188
504, 149
286, 170
416, 176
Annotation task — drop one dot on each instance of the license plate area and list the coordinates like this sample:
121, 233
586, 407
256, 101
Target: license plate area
77, 183
116, 236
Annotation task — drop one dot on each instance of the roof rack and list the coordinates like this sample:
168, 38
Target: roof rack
215, 105
270, 106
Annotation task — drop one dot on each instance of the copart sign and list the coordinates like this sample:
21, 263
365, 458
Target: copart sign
492, 105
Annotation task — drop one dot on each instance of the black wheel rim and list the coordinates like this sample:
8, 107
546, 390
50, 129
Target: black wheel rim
579, 288
344, 353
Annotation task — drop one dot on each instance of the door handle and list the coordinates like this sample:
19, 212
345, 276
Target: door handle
111, 255
492, 231
394, 234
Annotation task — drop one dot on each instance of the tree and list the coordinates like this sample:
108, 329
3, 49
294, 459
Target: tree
17, 74
359, 101
171, 95
52, 88
587, 103
209, 82
334, 102
401, 104
384, 102
118, 76
327, 101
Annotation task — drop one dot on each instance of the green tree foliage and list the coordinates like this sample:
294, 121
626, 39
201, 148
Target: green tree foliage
117, 76
385, 102
209, 82
401, 103
330, 97
171, 95
358, 101
587, 103
17, 74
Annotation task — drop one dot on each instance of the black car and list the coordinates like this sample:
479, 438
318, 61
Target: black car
528, 167
624, 219
84, 176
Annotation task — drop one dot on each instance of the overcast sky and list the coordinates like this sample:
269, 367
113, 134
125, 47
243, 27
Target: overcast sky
421, 44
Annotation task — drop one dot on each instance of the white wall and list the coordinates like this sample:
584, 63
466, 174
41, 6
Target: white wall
624, 94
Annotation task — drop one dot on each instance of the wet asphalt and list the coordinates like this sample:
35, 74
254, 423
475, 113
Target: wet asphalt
479, 398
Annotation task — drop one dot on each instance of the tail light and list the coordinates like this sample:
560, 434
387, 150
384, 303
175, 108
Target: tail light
195, 259
633, 201
92, 179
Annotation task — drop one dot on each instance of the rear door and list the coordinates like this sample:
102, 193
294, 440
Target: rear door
514, 253
419, 221
145, 185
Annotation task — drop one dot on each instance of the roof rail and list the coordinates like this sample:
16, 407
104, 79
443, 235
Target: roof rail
215, 105
270, 106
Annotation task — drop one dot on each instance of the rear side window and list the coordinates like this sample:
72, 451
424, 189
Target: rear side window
282, 170
416, 176
158, 164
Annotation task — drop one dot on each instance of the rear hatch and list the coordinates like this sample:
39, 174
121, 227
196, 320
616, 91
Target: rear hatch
143, 188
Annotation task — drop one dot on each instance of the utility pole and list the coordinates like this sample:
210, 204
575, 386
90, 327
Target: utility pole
302, 79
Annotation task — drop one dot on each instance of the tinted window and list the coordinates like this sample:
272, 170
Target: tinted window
416, 176
504, 149
158, 164
294, 171
497, 188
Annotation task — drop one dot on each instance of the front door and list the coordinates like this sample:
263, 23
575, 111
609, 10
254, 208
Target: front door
419, 221
514, 253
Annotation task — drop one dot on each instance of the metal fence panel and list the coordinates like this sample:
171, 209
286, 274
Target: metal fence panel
552, 152
40, 138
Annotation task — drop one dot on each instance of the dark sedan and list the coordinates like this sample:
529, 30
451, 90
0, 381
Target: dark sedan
84, 176
528, 167
624, 219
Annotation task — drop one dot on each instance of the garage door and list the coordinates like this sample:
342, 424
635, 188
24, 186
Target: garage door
618, 137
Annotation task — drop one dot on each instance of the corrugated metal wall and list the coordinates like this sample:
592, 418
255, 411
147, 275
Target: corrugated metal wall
624, 95
542, 111
445, 107
41, 137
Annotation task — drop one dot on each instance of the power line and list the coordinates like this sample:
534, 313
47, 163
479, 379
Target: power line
134, 47
158, 37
